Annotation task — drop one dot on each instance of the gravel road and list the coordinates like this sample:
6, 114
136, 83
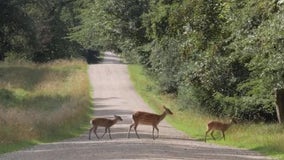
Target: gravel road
113, 93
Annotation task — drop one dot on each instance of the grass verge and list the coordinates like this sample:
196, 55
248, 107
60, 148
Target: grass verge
264, 138
42, 102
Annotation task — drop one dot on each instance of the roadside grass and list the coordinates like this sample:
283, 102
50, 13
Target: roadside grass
42, 102
264, 138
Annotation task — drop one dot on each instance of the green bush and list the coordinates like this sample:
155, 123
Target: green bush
165, 63
225, 71
224, 57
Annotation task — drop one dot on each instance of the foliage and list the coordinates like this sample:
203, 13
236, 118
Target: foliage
164, 64
112, 24
36, 30
16, 29
222, 56
228, 64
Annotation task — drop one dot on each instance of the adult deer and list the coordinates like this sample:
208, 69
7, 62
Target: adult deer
146, 118
216, 125
103, 122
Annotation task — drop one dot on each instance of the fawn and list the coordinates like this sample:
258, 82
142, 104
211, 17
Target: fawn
103, 122
216, 125
146, 118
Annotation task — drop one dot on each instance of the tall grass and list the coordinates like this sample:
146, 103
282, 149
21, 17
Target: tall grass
42, 102
264, 138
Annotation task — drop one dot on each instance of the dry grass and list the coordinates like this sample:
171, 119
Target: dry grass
39, 102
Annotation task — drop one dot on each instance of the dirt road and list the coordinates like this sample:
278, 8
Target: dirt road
114, 94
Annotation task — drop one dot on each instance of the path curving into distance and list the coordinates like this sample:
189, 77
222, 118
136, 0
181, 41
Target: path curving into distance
113, 93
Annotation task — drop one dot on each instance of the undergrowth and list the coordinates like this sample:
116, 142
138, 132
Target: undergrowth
261, 137
42, 102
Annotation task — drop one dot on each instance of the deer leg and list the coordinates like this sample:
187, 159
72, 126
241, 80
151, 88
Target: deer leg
153, 133
104, 133
223, 135
135, 129
95, 131
109, 133
157, 131
206, 134
90, 132
212, 135
128, 135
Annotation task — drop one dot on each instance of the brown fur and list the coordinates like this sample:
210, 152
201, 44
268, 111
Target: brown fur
216, 125
103, 122
146, 118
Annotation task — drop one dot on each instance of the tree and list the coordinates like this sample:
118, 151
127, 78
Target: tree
16, 28
113, 24
37, 30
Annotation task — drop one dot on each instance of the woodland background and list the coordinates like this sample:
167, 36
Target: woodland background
222, 57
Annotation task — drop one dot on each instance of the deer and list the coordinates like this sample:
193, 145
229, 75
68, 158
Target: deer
146, 118
103, 122
217, 125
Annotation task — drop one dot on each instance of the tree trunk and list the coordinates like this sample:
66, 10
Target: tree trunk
280, 104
